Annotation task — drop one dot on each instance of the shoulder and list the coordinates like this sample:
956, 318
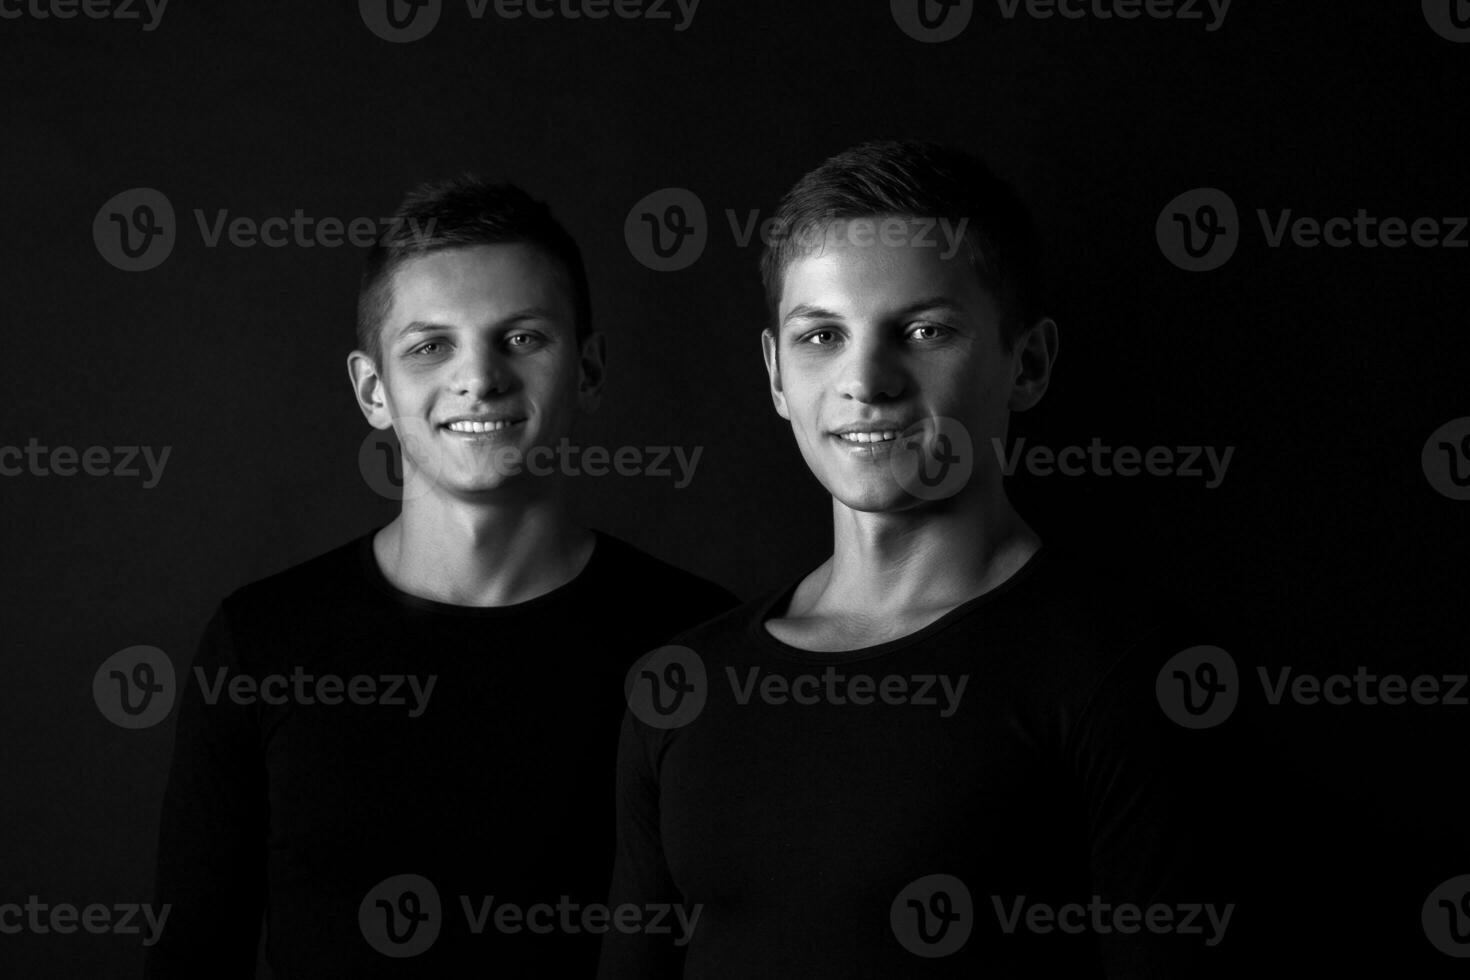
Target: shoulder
303, 599
1091, 621
339, 571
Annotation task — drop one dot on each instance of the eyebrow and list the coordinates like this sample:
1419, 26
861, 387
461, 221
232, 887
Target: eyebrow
807, 311
430, 326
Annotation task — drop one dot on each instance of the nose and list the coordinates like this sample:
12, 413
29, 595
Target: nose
480, 372
870, 371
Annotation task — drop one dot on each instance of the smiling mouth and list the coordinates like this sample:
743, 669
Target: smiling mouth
868, 438
471, 427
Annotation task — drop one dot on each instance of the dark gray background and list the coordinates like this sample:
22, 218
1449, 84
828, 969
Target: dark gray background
1327, 369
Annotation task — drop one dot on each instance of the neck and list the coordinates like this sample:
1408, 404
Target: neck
935, 556
482, 554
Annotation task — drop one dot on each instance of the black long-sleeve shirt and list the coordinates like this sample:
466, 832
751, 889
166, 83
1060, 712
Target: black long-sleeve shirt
304, 799
918, 808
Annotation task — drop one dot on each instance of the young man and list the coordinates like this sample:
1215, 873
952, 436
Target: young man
940, 752
400, 753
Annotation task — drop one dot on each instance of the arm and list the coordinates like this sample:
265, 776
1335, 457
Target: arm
1150, 790
212, 833
640, 872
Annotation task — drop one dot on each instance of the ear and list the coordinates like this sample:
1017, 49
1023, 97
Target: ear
1031, 363
367, 386
773, 370
591, 371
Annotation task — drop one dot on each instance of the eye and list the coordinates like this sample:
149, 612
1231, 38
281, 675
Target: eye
427, 349
929, 332
820, 338
522, 341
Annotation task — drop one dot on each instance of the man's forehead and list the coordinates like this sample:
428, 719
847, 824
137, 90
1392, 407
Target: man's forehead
876, 277
487, 277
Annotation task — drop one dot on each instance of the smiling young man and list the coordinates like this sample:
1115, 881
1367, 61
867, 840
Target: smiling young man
399, 754
938, 753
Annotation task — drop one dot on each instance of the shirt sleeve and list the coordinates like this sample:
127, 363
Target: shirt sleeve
212, 832
1146, 785
641, 874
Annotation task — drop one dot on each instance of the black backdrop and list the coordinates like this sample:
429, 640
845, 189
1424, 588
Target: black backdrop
1326, 546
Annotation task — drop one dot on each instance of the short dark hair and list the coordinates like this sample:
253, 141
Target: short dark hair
461, 212
916, 178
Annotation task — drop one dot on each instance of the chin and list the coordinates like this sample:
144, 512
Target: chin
871, 498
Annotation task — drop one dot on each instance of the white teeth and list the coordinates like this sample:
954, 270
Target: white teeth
883, 436
479, 426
